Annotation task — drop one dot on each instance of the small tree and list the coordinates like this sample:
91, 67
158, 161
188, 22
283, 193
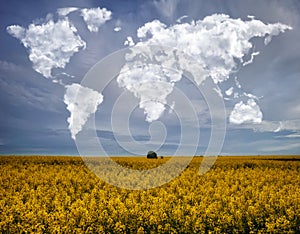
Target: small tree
151, 154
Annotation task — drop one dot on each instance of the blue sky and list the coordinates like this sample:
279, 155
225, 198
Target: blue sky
261, 99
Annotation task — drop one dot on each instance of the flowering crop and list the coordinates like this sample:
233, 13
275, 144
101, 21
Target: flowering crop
238, 195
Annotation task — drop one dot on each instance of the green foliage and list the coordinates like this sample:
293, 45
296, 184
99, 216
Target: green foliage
151, 154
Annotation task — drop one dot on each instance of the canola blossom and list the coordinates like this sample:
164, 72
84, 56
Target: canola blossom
237, 195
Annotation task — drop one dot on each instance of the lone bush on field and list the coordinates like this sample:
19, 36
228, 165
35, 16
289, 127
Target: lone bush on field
151, 154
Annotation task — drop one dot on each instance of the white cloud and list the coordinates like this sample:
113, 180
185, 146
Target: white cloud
81, 103
236, 95
278, 129
218, 91
95, 17
246, 113
118, 26
51, 45
250, 95
251, 59
129, 41
179, 20
294, 135
217, 43
237, 83
66, 10
150, 84
290, 125
279, 126
272, 126
117, 29
16, 31
229, 91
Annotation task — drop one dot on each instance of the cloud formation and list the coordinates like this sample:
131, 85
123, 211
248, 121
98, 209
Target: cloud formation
278, 126
150, 84
66, 10
246, 113
95, 17
50, 45
129, 41
117, 29
81, 103
229, 91
218, 43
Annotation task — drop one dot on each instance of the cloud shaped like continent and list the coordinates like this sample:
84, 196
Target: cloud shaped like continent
150, 84
81, 103
217, 43
51, 45
246, 113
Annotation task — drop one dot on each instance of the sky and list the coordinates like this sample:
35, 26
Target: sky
180, 77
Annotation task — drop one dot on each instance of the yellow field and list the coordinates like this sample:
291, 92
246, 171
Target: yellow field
238, 195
